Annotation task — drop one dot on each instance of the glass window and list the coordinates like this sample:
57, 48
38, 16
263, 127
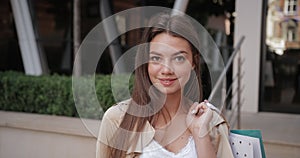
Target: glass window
290, 7
52, 21
10, 53
280, 77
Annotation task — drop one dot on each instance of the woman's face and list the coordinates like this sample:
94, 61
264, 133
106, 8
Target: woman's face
170, 63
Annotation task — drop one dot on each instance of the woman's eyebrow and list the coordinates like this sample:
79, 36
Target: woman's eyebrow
155, 53
180, 52
177, 53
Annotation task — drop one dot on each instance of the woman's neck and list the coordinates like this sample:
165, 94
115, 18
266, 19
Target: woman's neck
172, 103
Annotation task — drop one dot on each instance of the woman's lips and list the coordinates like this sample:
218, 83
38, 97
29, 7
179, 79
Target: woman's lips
167, 81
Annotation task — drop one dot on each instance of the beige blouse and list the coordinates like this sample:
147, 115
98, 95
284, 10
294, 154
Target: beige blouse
114, 115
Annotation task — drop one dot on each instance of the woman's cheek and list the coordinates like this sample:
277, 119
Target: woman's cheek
153, 71
184, 73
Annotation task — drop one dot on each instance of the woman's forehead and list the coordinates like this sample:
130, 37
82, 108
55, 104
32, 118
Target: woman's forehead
168, 43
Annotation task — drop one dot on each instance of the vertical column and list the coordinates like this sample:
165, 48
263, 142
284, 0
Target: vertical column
111, 31
27, 42
76, 34
250, 26
180, 5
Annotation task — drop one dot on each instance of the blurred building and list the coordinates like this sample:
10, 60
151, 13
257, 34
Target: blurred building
52, 23
282, 54
273, 77
283, 25
49, 25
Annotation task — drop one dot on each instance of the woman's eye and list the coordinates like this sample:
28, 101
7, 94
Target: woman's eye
179, 58
155, 58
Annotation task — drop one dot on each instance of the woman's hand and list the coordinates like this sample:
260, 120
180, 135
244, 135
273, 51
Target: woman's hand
198, 119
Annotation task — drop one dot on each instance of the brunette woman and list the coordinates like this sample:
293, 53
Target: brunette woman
163, 117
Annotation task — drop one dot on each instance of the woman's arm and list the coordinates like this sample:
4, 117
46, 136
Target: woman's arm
198, 121
204, 147
102, 150
109, 125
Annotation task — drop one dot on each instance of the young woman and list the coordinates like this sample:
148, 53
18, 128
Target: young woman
163, 118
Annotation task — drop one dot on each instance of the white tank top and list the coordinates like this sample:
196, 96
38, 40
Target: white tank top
155, 150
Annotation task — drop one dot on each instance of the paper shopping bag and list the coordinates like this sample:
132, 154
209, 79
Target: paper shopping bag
247, 143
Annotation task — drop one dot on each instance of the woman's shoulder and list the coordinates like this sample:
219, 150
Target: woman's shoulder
117, 111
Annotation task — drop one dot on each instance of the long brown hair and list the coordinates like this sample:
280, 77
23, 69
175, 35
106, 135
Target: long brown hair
143, 92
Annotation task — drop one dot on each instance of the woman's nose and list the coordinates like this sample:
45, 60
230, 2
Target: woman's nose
167, 69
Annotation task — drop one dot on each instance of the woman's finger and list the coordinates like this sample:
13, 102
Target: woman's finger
193, 108
199, 109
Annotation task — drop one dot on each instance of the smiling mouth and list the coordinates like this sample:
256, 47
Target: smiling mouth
167, 82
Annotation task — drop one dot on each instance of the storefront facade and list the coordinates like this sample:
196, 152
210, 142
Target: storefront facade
271, 50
